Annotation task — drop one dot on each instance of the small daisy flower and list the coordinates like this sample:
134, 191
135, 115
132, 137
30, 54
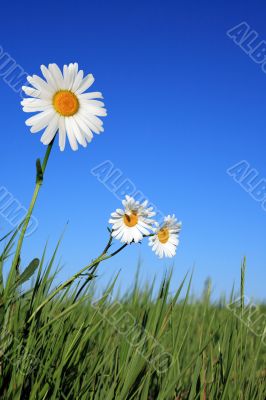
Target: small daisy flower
166, 238
133, 222
63, 106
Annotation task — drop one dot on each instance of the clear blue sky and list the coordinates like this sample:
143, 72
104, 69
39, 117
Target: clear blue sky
184, 104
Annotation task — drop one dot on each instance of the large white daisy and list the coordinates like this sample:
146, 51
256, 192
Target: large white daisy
166, 238
133, 222
63, 107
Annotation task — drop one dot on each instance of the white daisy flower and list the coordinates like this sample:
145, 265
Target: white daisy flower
132, 223
166, 238
62, 106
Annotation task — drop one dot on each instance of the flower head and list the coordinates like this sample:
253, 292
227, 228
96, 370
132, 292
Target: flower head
166, 237
133, 222
62, 106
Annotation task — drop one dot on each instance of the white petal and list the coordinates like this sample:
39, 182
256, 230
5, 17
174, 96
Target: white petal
95, 103
72, 75
91, 95
100, 112
40, 121
57, 75
49, 78
62, 133
89, 121
70, 134
78, 80
77, 132
39, 83
84, 127
36, 109
31, 91
51, 130
36, 118
85, 84
32, 102
66, 77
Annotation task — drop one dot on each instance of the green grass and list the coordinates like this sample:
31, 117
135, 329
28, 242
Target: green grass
144, 345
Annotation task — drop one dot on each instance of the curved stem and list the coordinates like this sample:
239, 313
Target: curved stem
118, 251
103, 257
90, 267
93, 270
39, 180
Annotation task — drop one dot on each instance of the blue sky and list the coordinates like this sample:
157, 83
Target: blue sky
185, 103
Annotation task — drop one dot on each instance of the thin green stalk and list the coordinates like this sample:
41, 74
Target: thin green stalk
39, 179
91, 275
92, 265
243, 274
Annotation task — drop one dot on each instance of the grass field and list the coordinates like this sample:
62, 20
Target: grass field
145, 345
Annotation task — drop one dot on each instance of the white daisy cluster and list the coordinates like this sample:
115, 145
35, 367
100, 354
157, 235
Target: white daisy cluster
63, 106
134, 222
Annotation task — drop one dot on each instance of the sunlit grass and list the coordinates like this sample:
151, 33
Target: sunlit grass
145, 345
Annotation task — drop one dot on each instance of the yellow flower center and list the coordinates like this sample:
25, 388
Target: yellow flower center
131, 220
66, 103
163, 235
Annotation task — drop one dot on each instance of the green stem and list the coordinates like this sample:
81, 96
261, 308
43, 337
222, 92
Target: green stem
39, 180
103, 257
91, 267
